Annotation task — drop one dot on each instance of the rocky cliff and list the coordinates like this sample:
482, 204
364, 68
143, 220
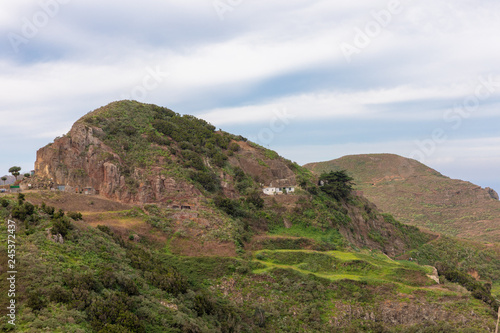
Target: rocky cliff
135, 165
81, 160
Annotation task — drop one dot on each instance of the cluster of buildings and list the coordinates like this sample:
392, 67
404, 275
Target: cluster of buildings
77, 189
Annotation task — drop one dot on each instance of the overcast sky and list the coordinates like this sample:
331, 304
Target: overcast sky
314, 80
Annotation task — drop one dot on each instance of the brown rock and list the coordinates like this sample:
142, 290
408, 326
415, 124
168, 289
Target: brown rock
80, 160
492, 193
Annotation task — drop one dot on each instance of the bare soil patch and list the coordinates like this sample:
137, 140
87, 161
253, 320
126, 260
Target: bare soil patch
75, 202
197, 248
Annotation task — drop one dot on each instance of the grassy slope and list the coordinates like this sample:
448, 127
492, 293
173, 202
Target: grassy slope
406, 189
297, 290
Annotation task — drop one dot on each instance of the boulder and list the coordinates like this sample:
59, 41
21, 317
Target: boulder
492, 193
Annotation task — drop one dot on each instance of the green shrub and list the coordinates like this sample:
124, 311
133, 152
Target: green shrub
233, 146
21, 198
113, 309
255, 199
193, 160
207, 179
4, 202
158, 139
75, 216
36, 301
219, 159
337, 184
229, 206
24, 210
61, 225
105, 229
59, 214
48, 209
477, 289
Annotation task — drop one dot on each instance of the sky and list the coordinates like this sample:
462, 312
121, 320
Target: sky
312, 79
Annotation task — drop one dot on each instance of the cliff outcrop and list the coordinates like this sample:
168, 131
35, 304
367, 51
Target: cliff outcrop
110, 153
80, 160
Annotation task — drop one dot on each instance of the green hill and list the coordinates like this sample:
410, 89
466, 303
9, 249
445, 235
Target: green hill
418, 195
154, 157
176, 235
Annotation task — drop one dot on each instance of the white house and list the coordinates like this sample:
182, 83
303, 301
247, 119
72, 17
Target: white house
278, 190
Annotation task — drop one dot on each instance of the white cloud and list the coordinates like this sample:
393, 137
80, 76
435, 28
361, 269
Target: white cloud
341, 105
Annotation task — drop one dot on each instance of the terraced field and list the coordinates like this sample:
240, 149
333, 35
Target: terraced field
338, 265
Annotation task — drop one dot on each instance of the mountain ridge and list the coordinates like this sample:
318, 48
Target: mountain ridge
419, 195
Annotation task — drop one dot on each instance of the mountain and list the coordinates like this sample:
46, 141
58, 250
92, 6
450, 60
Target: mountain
420, 196
161, 224
10, 180
145, 154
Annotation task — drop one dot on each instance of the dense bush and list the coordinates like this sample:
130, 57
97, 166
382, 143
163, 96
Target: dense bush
25, 211
193, 160
477, 289
233, 146
255, 199
161, 276
61, 225
337, 184
4, 202
219, 159
158, 139
75, 215
229, 206
207, 179
460, 254
243, 181
113, 309
48, 209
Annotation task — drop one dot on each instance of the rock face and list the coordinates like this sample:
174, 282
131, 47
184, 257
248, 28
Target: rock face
80, 161
492, 193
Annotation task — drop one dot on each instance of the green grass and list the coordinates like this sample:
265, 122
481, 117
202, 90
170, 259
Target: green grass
495, 290
330, 237
339, 265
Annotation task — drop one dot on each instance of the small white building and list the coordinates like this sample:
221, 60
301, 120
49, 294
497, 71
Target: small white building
278, 190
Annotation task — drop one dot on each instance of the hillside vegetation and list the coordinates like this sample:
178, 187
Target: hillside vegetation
181, 238
97, 281
418, 195
154, 157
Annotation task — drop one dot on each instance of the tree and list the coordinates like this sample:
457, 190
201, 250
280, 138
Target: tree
4, 179
27, 175
337, 184
15, 171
